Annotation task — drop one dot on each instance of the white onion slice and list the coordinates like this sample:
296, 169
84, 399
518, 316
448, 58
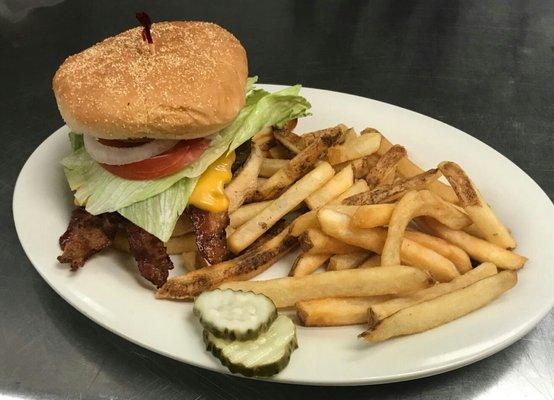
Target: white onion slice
125, 155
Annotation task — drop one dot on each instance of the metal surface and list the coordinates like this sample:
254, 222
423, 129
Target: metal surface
486, 67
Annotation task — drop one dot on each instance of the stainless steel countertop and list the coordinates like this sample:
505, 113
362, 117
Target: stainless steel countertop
486, 67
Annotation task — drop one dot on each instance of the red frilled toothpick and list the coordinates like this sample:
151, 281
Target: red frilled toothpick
146, 22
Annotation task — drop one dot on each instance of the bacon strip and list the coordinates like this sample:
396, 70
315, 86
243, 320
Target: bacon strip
86, 235
150, 254
211, 239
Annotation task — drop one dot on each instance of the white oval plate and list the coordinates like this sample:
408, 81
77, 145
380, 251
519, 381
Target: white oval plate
109, 290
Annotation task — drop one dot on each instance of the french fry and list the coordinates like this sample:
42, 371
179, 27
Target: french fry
339, 262
474, 231
359, 186
373, 215
264, 139
263, 134
478, 249
304, 222
289, 140
373, 261
183, 225
383, 194
180, 244
255, 227
280, 152
309, 219
307, 139
260, 182
305, 264
335, 187
189, 260
360, 166
350, 134
443, 309
297, 167
360, 147
458, 257
313, 241
244, 183
271, 165
286, 292
243, 267
380, 311
246, 212
408, 169
338, 226
386, 166
415, 204
175, 245
478, 210
335, 311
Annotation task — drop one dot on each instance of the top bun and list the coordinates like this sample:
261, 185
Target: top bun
189, 83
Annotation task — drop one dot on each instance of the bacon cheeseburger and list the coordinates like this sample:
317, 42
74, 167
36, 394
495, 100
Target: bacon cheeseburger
156, 115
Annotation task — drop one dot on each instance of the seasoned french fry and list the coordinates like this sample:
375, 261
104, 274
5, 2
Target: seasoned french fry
360, 166
289, 140
380, 311
189, 260
305, 264
271, 165
442, 309
408, 169
335, 187
336, 311
458, 257
478, 249
286, 292
297, 167
255, 227
415, 204
247, 212
386, 166
383, 194
373, 215
478, 210
373, 261
338, 226
311, 137
360, 147
280, 152
339, 262
245, 266
313, 241
244, 183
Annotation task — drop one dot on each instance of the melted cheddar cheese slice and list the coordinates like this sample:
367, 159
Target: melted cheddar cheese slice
209, 194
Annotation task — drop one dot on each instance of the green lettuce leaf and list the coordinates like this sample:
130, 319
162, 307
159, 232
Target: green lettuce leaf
76, 141
158, 214
141, 200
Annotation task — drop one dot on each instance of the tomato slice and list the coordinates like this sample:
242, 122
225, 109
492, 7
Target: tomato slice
165, 164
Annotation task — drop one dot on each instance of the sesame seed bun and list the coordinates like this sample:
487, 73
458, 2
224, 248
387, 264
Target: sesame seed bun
189, 83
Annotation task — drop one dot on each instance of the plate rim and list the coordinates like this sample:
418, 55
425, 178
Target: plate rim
406, 376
